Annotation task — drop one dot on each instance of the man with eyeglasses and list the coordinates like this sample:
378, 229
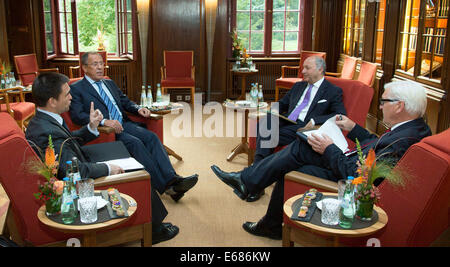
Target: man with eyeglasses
142, 144
403, 105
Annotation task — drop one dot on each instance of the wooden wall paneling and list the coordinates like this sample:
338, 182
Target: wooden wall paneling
369, 32
328, 30
222, 43
177, 25
4, 50
391, 37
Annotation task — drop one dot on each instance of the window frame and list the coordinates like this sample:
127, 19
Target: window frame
350, 27
56, 27
268, 32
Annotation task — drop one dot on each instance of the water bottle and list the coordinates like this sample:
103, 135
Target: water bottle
149, 96
70, 174
2, 82
143, 97
75, 171
7, 81
347, 210
254, 95
158, 93
260, 94
68, 211
13, 79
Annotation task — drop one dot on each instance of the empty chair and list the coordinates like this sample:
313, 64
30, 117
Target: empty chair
348, 69
27, 68
178, 71
367, 72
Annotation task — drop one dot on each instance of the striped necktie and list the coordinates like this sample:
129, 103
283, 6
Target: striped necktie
113, 111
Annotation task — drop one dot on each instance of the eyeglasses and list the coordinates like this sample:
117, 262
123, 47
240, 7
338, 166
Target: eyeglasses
384, 100
96, 64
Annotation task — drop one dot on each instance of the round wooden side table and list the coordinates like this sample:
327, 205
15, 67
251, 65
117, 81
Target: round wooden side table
327, 231
89, 231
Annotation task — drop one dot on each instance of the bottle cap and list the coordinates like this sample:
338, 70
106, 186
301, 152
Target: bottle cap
69, 162
66, 179
350, 177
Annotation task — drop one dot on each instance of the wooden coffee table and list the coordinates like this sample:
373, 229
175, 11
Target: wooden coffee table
335, 233
89, 231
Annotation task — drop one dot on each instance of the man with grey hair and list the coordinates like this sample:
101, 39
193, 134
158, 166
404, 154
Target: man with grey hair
403, 104
309, 102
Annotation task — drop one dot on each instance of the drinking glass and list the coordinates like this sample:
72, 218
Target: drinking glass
165, 99
88, 209
330, 211
85, 188
341, 188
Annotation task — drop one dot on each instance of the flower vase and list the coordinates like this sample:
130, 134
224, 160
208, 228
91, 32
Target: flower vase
364, 209
53, 206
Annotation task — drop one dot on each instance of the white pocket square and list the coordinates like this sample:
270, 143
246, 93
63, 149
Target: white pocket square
321, 101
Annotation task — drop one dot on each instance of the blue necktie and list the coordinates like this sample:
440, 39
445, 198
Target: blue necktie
294, 115
113, 111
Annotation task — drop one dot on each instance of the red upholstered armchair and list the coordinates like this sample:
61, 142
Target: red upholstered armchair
22, 223
13, 102
28, 69
287, 83
356, 97
417, 214
178, 71
348, 69
367, 72
77, 71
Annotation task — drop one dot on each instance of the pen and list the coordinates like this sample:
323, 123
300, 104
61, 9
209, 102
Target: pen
340, 117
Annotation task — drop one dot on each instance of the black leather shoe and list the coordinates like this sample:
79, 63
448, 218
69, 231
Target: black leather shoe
233, 179
164, 232
258, 229
181, 185
254, 197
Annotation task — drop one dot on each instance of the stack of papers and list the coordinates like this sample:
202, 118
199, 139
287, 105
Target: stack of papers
333, 131
127, 164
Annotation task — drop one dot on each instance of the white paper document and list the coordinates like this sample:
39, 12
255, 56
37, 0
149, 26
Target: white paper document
126, 163
333, 131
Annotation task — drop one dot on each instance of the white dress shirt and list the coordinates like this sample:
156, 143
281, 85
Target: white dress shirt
314, 90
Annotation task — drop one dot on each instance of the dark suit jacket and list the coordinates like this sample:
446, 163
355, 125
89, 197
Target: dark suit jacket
43, 125
391, 145
83, 93
320, 112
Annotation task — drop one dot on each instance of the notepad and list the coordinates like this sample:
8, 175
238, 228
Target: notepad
127, 164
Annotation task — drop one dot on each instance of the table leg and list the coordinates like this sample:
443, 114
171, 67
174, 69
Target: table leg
242, 96
90, 240
243, 146
172, 153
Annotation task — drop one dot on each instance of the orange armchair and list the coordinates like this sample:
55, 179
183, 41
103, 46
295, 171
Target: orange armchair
287, 83
367, 73
348, 69
418, 214
15, 105
22, 223
27, 68
178, 71
77, 71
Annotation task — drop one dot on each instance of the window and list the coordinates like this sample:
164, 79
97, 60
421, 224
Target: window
354, 27
86, 25
268, 27
422, 42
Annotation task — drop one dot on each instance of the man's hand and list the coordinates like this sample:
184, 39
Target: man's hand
345, 123
95, 117
114, 124
114, 169
319, 143
144, 112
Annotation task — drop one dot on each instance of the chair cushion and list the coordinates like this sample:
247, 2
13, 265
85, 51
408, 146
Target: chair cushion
22, 110
440, 141
178, 82
178, 63
287, 82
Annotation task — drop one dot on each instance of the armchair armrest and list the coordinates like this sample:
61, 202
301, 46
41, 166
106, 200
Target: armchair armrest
72, 69
163, 73
284, 68
193, 72
122, 178
334, 74
312, 181
105, 129
48, 70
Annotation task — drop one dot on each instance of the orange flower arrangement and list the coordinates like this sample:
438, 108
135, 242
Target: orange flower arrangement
51, 190
369, 170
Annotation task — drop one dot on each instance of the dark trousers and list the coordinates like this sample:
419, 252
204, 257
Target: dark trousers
286, 135
146, 148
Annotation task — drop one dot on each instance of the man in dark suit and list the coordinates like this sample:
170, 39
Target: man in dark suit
309, 102
403, 104
51, 94
142, 144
